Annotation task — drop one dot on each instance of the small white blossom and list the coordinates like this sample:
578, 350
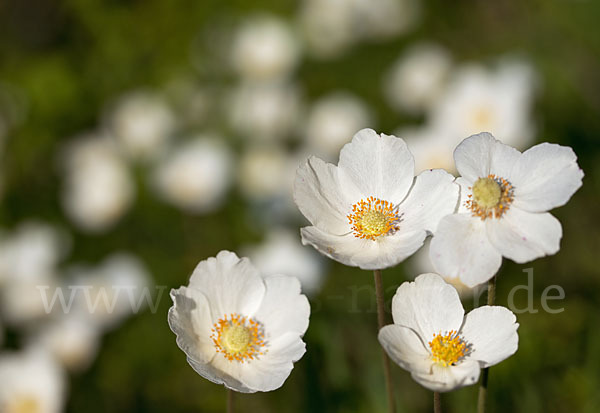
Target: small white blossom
238, 328
435, 341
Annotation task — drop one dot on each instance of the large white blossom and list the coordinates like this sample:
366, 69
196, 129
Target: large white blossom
238, 328
435, 341
371, 211
502, 210
31, 382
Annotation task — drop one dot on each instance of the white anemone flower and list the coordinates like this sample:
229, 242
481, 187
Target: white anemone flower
502, 209
332, 120
238, 328
417, 78
282, 253
196, 175
435, 341
265, 48
371, 211
31, 382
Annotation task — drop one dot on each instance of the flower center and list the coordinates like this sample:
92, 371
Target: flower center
448, 349
481, 118
238, 338
26, 404
373, 218
490, 198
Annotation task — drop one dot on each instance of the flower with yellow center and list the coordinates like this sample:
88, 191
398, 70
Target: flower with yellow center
238, 328
32, 382
370, 211
434, 340
502, 208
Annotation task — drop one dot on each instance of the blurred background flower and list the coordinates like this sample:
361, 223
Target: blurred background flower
167, 131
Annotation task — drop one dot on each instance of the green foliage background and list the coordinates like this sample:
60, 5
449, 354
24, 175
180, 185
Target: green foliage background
72, 57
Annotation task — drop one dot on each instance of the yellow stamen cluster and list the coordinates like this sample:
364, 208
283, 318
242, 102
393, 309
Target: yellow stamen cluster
373, 218
238, 338
448, 349
491, 197
25, 404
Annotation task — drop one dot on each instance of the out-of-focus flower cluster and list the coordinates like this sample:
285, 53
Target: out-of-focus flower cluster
200, 140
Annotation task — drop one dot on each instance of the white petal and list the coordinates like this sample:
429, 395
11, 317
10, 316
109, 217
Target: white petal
190, 319
460, 248
449, 378
381, 253
524, 236
283, 308
482, 154
428, 306
379, 165
269, 371
231, 284
318, 194
492, 333
465, 190
405, 347
433, 196
545, 177
214, 374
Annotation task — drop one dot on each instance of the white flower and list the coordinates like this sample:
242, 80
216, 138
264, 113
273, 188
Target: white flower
98, 188
107, 294
431, 148
384, 19
282, 253
196, 175
420, 263
31, 382
237, 328
71, 338
435, 341
332, 120
417, 78
266, 111
264, 48
479, 100
263, 172
502, 210
142, 124
371, 211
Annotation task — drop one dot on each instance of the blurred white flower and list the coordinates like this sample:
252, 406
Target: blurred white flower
264, 111
31, 252
264, 48
98, 188
478, 100
502, 212
283, 253
110, 292
435, 341
263, 172
28, 260
327, 27
196, 175
431, 148
384, 19
238, 328
370, 211
332, 121
31, 382
331, 27
71, 338
416, 79
142, 123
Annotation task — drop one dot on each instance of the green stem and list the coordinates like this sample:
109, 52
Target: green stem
437, 402
380, 323
483, 387
229, 401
